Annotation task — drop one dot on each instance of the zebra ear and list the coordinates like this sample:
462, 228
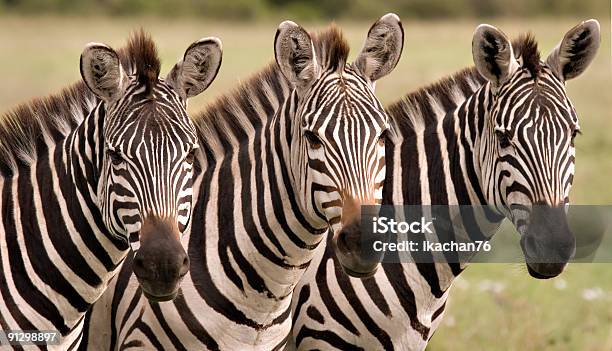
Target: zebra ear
295, 55
198, 68
102, 71
382, 48
492, 52
576, 50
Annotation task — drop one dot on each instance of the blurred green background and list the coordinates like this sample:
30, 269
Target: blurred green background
492, 306
309, 9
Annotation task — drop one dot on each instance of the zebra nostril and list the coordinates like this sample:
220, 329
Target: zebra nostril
184, 267
530, 247
139, 267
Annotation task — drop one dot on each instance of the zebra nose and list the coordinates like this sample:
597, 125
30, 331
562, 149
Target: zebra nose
353, 252
548, 243
161, 262
163, 266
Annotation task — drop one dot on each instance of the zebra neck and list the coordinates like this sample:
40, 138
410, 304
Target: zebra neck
294, 161
102, 253
62, 257
435, 157
462, 146
246, 196
463, 129
257, 117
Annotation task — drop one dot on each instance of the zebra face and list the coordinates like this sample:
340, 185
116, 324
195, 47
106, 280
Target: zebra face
338, 130
341, 136
527, 153
147, 160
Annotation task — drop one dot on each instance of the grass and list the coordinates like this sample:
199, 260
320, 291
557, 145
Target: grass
493, 306
498, 307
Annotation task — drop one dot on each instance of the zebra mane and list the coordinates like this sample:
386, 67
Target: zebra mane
331, 47
415, 109
260, 95
55, 116
449, 92
526, 47
52, 117
232, 113
139, 57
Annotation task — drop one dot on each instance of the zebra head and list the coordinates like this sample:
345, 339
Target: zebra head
338, 127
527, 147
147, 153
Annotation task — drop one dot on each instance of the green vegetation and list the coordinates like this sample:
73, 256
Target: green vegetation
492, 306
308, 9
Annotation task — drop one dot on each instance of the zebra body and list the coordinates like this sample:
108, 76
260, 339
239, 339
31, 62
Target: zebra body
46, 262
68, 203
466, 140
274, 176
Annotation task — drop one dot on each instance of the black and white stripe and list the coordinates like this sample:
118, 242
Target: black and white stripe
281, 157
78, 171
506, 141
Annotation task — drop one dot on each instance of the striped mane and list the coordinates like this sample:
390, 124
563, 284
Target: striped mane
140, 58
415, 108
526, 48
331, 48
55, 116
261, 95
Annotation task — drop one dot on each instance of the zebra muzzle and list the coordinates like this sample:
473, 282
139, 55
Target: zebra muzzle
161, 261
548, 243
353, 254
353, 250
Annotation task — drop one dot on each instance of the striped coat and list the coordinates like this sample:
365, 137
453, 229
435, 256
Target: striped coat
70, 199
277, 168
484, 136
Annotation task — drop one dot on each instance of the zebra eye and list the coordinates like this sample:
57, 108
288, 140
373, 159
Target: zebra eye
575, 132
115, 157
313, 139
383, 137
190, 157
503, 137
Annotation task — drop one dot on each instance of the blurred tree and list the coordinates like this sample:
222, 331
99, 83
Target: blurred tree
312, 9
324, 8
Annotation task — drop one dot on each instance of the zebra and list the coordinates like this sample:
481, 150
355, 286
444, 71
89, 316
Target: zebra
284, 157
500, 134
105, 163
